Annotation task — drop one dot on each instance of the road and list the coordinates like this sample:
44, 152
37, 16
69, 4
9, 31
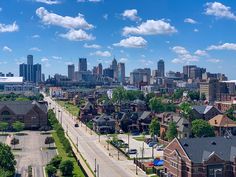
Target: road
91, 149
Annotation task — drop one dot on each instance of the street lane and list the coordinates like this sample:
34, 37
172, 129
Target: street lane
90, 148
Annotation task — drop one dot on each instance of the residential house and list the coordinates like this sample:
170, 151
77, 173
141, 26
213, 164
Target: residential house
104, 124
204, 112
138, 106
201, 157
223, 125
144, 121
33, 114
105, 107
87, 112
182, 124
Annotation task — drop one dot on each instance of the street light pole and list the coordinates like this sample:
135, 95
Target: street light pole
136, 161
95, 170
128, 141
98, 170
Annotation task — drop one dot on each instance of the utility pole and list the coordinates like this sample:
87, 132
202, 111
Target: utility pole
128, 141
95, 170
136, 161
118, 154
98, 170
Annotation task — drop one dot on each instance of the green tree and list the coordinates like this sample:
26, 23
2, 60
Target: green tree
154, 128
202, 128
18, 126
171, 131
186, 110
194, 95
56, 161
51, 170
3, 126
203, 96
178, 94
7, 162
118, 94
230, 114
149, 96
49, 140
156, 105
66, 167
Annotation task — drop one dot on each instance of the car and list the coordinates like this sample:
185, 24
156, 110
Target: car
125, 145
135, 133
152, 143
76, 125
160, 148
132, 151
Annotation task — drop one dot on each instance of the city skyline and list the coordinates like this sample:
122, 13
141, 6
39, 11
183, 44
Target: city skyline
134, 34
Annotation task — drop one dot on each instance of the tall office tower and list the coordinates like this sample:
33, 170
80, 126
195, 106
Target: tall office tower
71, 71
114, 67
43, 77
82, 64
187, 70
121, 72
37, 73
99, 69
161, 68
30, 71
23, 71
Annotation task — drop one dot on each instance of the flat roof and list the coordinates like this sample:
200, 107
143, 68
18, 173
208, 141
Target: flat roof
11, 79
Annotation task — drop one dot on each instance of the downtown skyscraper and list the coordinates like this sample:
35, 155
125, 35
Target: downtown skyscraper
31, 72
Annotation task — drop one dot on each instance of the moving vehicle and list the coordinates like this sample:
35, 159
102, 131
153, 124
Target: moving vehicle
132, 151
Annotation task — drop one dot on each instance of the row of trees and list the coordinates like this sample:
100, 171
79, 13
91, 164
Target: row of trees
19, 97
65, 166
193, 95
17, 126
158, 106
120, 94
59, 130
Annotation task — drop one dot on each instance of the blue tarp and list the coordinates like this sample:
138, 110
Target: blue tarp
157, 162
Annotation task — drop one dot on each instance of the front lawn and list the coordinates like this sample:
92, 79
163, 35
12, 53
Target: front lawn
74, 110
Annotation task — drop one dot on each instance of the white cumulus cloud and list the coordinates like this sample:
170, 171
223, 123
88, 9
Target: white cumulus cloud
150, 27
36, 49
183, 55
50, 2
132, 42
190, 20
92, 46
225, 46
62, 21
101, 53
77, 35
214, 60
7, 49
131, 14
200, 53
8, 28
219, 10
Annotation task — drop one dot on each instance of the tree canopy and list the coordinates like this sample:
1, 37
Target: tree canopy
66, 167
3, 126
7, 162
201, 128
18, 126
186, 110
120, 94
154, 127
171, 131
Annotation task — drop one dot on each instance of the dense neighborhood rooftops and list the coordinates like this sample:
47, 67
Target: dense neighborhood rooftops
200, 149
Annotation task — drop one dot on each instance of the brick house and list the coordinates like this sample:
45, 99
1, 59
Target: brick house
200, 157
87, 112
33, 114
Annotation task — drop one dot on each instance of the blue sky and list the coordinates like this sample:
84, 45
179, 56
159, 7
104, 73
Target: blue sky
139, 33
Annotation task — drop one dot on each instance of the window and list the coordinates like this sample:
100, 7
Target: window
5, 113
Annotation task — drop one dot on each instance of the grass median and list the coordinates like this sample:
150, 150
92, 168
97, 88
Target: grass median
74, 110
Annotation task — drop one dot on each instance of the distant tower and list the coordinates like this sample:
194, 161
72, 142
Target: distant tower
121, 72
71, 71
99, 69
37, 73
30, 72
82, 64
114, 67
161, 68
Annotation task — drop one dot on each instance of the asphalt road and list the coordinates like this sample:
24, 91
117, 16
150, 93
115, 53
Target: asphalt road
91, 149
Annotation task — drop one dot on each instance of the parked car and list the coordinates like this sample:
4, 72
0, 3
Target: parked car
132, 151
160, 148
76, 125
152, 143
135, 133
148, 140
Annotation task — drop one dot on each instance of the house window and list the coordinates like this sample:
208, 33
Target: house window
5, 113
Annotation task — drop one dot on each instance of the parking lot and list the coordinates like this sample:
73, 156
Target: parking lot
31, 150
140, 145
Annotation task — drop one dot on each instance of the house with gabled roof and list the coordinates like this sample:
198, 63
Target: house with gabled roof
32, 113
205, 112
